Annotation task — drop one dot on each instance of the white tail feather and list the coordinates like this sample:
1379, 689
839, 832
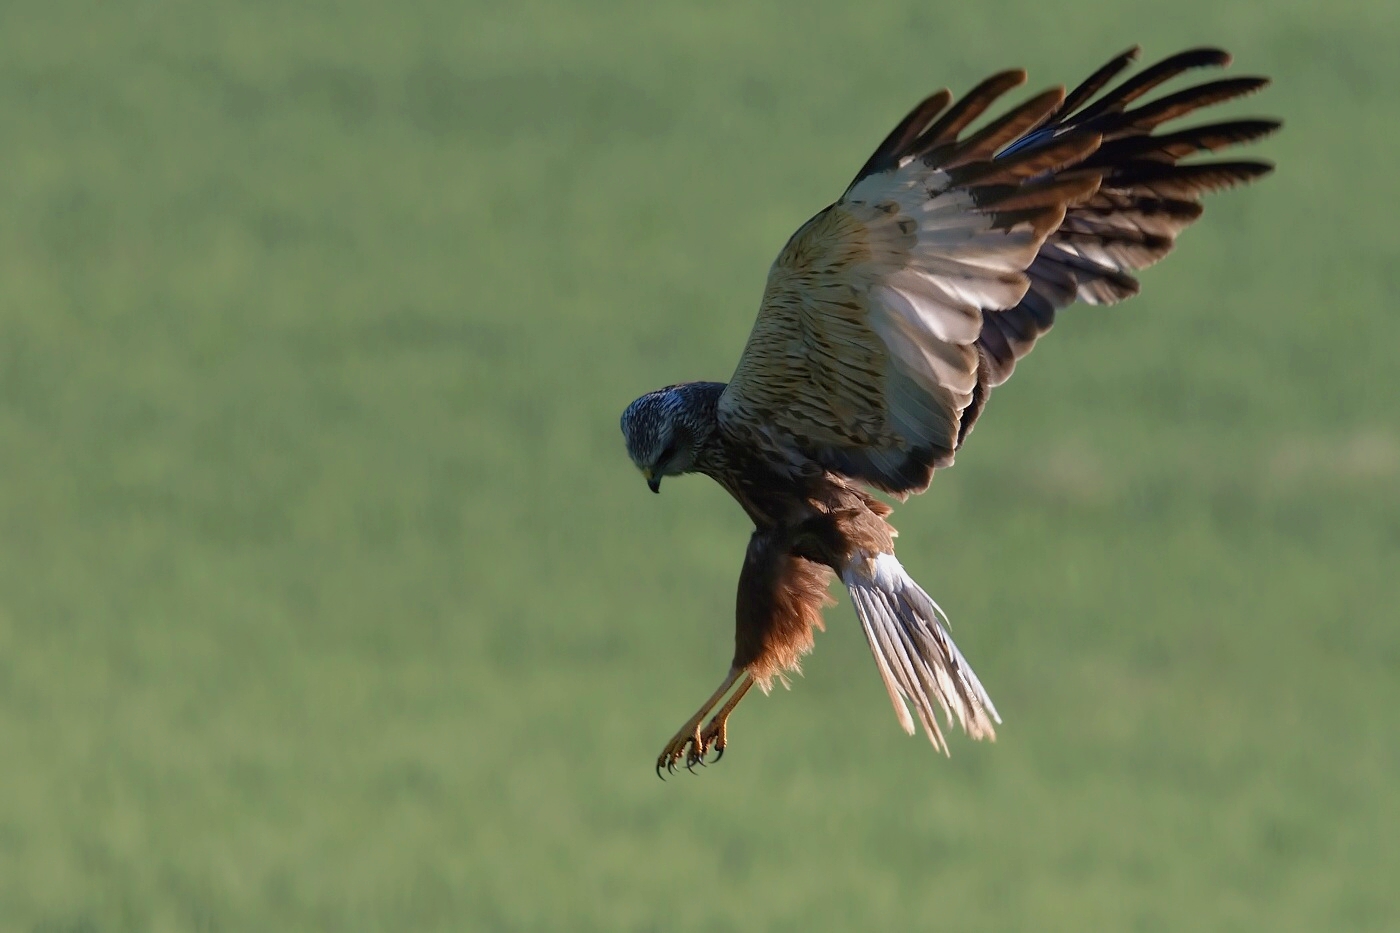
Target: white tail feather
920, 665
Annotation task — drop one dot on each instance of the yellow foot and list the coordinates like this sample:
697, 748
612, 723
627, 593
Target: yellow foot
687, 747
692, 745
714, 737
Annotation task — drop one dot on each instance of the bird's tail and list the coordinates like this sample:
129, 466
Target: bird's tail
908, 634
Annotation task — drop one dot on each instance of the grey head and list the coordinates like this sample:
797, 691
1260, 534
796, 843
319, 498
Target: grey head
666, 430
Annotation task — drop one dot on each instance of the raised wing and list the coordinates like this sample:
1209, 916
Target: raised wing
1144, 200
872, 352
864, 354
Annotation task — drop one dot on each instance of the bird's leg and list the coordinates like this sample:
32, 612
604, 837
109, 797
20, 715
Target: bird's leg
685, 743
716, 733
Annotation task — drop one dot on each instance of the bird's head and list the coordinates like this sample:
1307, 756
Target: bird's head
666, 429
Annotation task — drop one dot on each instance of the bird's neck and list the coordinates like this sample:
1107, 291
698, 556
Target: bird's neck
702, 398
761, 490
701, 404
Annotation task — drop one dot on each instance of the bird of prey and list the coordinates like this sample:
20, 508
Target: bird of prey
887, 320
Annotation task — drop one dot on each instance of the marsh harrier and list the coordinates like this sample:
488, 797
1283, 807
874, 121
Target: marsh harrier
887, 320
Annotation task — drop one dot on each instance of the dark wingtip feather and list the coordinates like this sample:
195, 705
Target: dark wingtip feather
986, 141
893, 147
1164, 180
1171, 147
1095, 82
1150, 77
968, 108
1163, 109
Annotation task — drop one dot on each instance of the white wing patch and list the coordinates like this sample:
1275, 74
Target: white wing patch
942, 264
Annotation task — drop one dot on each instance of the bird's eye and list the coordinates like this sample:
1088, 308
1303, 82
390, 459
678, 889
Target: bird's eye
667, 454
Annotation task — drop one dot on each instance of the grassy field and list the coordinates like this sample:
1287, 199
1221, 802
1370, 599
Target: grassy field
329, 600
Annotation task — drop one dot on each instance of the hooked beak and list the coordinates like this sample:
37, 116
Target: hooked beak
653, 481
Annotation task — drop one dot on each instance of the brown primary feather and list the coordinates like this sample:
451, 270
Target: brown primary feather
1066, 151
1171, 147
985, 142
887, 155
968, 108
1186, 181
1149, 78
1095, 82
1149, 116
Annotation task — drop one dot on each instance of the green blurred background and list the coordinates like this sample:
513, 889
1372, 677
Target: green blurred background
330, 601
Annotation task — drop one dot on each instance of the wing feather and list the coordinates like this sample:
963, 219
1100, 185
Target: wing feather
1143, 201
889, 315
